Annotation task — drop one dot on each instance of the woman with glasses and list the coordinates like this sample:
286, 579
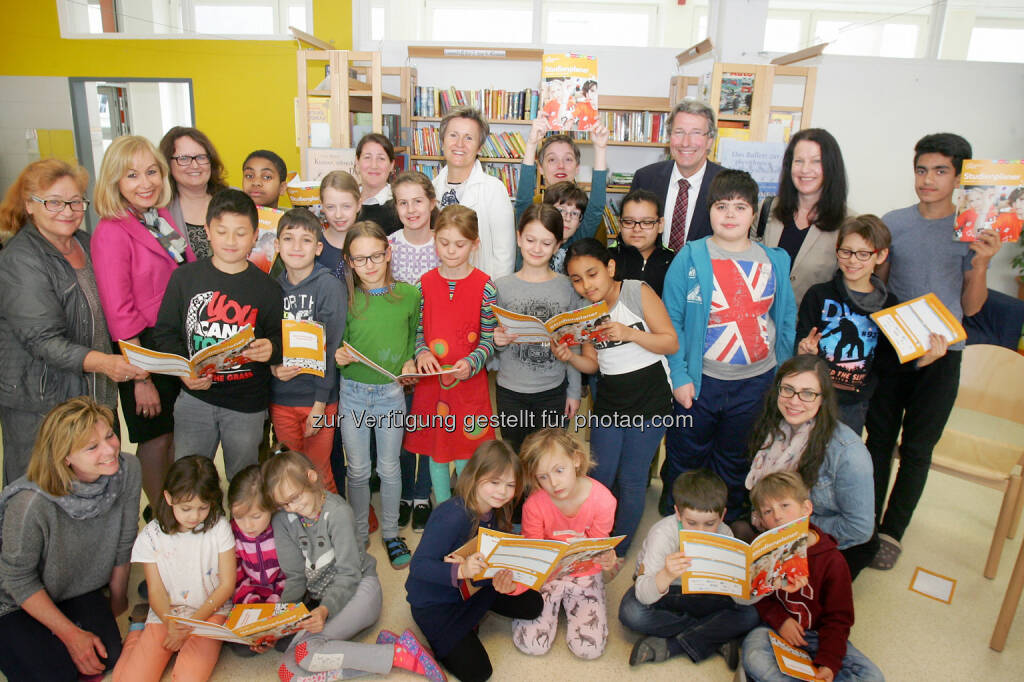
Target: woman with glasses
196, 175
804, 218
137, 246
799, 430
53, 336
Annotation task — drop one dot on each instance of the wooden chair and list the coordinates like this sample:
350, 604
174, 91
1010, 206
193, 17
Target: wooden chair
1010, 602
983, 440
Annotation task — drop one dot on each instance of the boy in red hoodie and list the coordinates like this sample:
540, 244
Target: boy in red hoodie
818, 613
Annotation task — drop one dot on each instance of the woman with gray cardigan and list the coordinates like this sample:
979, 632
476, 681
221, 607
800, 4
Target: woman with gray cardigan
197, 173
67, 529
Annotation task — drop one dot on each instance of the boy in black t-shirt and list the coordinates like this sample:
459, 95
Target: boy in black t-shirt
209, 301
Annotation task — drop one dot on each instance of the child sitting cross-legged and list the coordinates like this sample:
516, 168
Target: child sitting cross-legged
675, 623
817, 612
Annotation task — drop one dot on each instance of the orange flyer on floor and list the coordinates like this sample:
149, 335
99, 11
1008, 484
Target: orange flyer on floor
908, 324
304, 345
570, 328
792, 661
720, 564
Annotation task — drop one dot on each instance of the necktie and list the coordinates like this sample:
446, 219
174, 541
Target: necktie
677, 235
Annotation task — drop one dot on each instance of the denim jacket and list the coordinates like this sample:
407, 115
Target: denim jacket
844, 494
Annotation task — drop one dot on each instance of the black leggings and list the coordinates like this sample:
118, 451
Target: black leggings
468, 660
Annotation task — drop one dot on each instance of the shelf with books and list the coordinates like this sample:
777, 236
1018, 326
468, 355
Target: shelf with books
481, 159
496, 105
500, 121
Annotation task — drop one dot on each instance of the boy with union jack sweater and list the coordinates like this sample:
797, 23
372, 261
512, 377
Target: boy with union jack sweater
733, 308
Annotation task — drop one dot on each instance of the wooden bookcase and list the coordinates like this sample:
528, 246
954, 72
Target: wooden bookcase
768, 81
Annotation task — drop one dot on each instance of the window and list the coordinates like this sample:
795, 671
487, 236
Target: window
459, 22
866, 39
898, 28
996, 44
619, 24
187, 18
783, 35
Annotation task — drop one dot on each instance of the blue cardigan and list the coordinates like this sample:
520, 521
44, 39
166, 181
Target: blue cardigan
688, 287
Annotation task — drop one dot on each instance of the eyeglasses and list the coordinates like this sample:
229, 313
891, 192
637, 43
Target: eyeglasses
806, 395
570, 214
57, 205
646, 224
683, 134
185, 160
360, 261
845, 254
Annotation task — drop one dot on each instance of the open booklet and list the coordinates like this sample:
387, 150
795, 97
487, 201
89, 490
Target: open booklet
533, 562
223, 355
725, 565
571, 328
250, 623
304, 346
394, 377
908, 324
792, 661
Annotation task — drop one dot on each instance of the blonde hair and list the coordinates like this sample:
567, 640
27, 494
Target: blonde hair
547, 441
290, 466
777, 486
35, 179
459, 218
66, 428
108, 201
491, 458
340, 181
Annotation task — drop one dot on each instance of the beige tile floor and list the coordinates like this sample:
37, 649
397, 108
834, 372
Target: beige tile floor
909, 636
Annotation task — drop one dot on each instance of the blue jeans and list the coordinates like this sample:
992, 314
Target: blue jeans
362, 403
760, 664
415, 481
624, 457
700, 622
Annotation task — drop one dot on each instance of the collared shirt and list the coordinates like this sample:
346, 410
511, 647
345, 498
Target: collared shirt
673, 191
380, 197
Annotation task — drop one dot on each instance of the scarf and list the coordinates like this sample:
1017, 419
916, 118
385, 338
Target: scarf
85, 501
170, 239
782, 454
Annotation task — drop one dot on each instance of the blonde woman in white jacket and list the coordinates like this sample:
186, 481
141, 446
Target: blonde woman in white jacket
463, 181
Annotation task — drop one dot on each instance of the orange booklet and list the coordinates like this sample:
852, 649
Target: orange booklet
533, 562
990, 197
908, 324
223, 355
394, 377
303, 345
792, 661
250, 623
571, 328
264, 251
721, 564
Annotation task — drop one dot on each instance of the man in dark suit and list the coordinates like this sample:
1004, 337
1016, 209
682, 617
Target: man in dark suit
682, 183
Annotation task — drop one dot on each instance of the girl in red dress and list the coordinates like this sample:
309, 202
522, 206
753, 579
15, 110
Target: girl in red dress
451, 413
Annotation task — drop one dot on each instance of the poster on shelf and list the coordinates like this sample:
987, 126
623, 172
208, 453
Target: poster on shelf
569, 91
990, 197
763, 160
320, 162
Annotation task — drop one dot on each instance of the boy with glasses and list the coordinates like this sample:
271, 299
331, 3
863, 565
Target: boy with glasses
639, 253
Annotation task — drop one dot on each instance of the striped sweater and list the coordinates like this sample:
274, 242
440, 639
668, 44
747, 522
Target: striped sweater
259, 578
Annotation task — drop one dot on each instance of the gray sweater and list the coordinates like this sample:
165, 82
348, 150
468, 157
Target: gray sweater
45, 549
324, 560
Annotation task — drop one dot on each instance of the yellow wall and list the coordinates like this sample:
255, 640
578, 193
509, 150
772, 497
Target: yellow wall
243, 89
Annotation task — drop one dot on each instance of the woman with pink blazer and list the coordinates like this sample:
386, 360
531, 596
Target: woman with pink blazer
136, 247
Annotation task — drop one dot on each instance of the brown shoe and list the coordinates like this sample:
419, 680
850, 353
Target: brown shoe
374, 524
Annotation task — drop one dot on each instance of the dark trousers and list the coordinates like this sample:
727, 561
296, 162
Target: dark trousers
859, 556
468, 660
919, 401
30, 652
338, 467
523, 413
722, 416
701, 623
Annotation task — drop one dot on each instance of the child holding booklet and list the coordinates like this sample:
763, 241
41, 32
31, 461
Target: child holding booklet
446, 605
188, 557
302, 406
815, 614
534, 389
456, 331
566, 504
412, 254
327, 569
382, 320
675, 623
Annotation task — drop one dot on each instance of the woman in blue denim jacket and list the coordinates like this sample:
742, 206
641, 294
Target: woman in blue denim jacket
799, 430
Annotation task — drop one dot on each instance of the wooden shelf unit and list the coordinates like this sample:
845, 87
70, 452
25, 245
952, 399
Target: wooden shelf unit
761, 106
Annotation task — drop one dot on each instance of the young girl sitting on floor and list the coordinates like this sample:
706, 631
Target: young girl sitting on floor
566, 504
188, 557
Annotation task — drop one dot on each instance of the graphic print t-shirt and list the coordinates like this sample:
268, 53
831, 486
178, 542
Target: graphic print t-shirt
203, 306
848, 342
740, 340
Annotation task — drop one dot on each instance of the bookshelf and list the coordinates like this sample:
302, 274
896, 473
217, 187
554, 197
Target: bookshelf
747, 98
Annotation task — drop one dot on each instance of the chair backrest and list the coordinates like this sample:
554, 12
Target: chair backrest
992, 381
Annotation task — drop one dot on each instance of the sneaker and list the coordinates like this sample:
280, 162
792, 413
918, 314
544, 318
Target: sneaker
649, 650
404, 513
731, 653
420, 514
374, 524
386, 637
398, 552
411, 655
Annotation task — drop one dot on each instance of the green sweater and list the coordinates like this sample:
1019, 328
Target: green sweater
384, 329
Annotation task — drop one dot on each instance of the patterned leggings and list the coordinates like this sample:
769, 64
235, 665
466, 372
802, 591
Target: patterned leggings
586, 615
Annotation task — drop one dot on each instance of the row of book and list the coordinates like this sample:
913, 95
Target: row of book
495, 105
636, 126
427, 142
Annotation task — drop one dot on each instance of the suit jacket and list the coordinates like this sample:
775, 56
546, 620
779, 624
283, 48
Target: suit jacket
655, 177
132, 271
815, 262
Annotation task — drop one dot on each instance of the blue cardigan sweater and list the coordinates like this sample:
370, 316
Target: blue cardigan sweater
688, 287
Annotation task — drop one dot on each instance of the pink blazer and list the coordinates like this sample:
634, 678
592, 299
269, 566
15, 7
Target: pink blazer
132, 271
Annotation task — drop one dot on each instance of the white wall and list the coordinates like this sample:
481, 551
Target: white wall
27, 103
